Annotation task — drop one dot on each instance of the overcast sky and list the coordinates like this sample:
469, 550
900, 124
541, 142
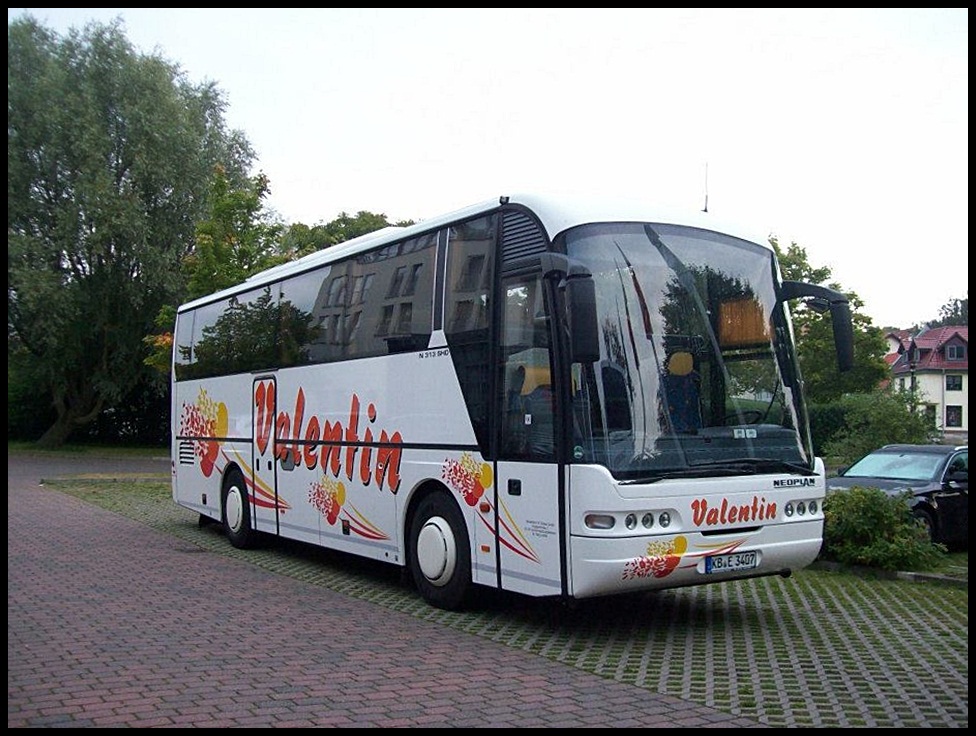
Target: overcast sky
844, 131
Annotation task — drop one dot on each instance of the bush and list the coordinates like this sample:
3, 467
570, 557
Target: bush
826, 420
30, 410
866, 526
875, 419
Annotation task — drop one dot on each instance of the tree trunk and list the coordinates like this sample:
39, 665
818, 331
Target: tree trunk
58, 433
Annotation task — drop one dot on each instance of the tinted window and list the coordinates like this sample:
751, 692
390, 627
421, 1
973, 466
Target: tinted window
327, 314
470, 259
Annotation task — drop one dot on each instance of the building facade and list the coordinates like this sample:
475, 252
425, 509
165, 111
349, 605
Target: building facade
935, 363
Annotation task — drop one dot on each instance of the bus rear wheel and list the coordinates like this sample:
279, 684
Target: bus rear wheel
440, 554
237, 512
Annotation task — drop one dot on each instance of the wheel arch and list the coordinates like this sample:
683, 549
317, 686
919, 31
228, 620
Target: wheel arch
439, 546
225, 476
237, 519
925, 509
418, 494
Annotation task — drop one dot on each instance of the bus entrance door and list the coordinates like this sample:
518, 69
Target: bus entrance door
527, 527
263, 478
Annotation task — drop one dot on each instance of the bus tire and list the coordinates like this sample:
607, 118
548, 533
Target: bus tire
440, 554
236, 511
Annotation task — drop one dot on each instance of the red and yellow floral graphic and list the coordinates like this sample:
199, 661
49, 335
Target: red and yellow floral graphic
328, 495
467, 478
471, 479
660, 561
207, 421
205, 418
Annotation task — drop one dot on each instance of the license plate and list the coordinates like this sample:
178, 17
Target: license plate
731, 563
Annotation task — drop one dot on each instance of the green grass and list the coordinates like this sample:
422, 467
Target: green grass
91, 450
955, 564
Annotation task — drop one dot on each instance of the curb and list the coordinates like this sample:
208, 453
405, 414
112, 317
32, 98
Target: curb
109, 478
872, 572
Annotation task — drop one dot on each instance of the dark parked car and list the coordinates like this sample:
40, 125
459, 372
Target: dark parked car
937, 476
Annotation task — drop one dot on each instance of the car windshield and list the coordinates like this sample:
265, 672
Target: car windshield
904, 465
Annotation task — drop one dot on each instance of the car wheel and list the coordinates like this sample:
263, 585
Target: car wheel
927, 522
440, 556
237, 511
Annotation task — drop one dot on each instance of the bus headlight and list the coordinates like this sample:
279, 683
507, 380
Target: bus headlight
664, 519
599, 521
647, 520
631, 521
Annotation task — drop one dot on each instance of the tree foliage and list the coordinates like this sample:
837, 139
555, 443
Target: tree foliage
300, 240
109, 157
954, 312
873, 419
238, 239
815, 341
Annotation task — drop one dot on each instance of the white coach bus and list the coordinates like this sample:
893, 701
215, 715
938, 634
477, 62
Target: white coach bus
548, 397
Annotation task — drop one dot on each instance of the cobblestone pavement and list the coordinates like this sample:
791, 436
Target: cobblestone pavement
113, 621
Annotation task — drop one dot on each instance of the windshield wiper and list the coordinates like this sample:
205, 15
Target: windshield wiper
706, 472
757, 465
716, 468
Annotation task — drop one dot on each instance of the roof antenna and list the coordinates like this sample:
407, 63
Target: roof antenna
705, 208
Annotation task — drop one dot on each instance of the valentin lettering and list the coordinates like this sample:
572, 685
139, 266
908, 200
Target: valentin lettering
729, 513
334, 447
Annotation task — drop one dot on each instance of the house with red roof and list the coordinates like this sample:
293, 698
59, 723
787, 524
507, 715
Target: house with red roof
936, 362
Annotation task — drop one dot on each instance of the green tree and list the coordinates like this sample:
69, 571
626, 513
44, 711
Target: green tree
953, 312
300, 240
109, 157
815, 340
238, 239
346, 227
873, 419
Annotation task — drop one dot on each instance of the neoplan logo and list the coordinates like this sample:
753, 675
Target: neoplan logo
795, 483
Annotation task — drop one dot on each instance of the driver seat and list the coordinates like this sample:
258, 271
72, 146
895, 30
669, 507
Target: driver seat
682, 393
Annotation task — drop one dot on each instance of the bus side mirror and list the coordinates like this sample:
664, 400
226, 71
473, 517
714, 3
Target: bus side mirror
580, 293
581, 305
840, 316
840, 319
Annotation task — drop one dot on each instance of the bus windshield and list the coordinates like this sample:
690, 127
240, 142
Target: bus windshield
697, 374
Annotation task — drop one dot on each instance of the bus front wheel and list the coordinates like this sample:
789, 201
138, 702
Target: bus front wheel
237, 512
440, 556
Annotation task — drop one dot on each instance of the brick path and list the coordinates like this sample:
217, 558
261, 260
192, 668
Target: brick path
110, 623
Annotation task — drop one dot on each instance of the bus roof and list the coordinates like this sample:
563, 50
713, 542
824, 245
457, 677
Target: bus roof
556, 213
